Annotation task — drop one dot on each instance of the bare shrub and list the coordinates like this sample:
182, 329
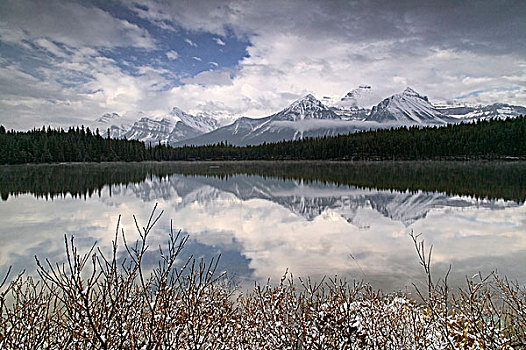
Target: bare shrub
103, 301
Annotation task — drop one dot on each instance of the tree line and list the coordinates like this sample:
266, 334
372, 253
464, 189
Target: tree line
85, 180
47, 145
483, 139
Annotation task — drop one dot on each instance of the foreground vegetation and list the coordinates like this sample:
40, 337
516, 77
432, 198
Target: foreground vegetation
493, 139
95, 300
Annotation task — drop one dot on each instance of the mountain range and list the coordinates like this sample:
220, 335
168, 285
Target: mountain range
305, 117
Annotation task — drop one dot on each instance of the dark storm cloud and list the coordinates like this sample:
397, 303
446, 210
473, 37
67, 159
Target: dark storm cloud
483, 26
486, 26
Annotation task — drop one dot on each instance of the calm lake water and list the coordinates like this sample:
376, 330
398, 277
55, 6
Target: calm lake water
312, 219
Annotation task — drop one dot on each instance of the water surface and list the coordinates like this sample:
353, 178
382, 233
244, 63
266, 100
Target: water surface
312, 219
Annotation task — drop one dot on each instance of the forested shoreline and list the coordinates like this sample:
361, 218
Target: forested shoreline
480, 179
483, 139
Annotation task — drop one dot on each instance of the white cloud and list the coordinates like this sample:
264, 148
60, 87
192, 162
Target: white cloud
325, 49
190, 42
283, 67
69, 23
211, 78
219, 41
52, 48
172, 55
197, 58
332, 52
77, 89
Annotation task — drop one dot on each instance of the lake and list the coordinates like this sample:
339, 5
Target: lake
350, 220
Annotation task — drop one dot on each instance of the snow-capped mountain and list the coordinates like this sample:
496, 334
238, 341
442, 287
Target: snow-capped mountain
496, 110
108, 118
117, 132
114, 122
364, 97
407, 108
198, 122
309, 117
306, 117
305, 108
353, 106
222, 118
151, 130
175, 126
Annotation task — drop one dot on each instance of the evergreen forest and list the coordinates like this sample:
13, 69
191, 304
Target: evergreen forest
483, 139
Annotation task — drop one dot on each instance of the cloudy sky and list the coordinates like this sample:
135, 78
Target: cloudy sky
68, 62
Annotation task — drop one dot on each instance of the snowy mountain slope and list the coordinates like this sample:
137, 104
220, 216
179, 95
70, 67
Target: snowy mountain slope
306, 117
305, 108
407, 108
108, 118
364, 97
244, 131
357, 103
198, 122
222, 118
117, 125
237, 133
352, 114
150, 130
496, 110
309, 117
117, 132
182, 131
175, 126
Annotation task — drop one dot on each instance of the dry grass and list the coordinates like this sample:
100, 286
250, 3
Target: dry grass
92, 301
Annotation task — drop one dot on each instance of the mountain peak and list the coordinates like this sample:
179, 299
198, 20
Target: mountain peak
106, 117
178, 114
407, 108
201, 123
362, 97
309, 98
410, 92
176, 111
306, 102
360, 89
308, 107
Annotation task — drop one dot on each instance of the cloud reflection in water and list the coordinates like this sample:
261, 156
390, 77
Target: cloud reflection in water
264, 226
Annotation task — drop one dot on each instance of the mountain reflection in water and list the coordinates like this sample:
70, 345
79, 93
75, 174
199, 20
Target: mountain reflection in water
345, 219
